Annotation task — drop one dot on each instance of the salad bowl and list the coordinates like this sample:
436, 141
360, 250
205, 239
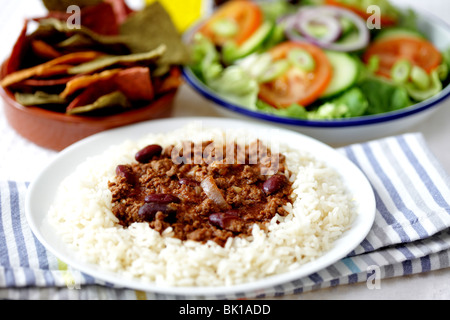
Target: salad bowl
331, 129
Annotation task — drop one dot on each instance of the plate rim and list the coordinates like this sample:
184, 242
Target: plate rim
121, 281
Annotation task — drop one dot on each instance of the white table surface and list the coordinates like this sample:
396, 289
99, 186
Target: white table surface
21, 160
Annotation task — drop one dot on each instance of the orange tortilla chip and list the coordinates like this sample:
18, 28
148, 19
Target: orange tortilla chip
135, 83
45, 82
91, 94
68, 59
85, 81
170, 82
44, 50
59, 69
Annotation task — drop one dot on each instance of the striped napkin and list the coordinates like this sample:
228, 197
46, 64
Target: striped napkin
411, 233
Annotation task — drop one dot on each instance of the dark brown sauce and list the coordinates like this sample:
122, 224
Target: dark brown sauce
164, 194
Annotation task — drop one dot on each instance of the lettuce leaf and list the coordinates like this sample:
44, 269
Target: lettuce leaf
383, 96
205, 59
351, 103
236, 86
293, 111
423, 94
233, 83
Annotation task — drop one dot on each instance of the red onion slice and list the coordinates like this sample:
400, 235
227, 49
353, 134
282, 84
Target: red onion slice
290, 28
331, 23
296, 27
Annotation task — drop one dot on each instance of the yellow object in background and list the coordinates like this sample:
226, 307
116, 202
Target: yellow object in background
184, 12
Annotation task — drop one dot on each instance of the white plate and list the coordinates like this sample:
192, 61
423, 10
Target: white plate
42, 191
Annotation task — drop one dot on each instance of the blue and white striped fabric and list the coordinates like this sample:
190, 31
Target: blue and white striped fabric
411, 233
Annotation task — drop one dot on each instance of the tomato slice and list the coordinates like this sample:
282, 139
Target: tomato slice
386, 20
419, 52
247, 16
296, 85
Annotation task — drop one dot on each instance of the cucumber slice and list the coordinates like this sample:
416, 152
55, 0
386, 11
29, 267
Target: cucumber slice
231, 52
398, 33
345, 73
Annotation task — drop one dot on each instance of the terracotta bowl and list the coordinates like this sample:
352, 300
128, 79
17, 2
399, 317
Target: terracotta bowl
56, 131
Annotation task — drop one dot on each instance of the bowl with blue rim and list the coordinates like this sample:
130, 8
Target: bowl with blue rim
328, 71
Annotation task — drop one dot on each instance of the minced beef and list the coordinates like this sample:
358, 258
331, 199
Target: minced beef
201, 193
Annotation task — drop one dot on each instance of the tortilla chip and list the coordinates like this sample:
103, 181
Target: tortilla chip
38, 98
85, 81
76, 41
121, 10
71, 58
61, 5
40, 83
71, 70
147, 29
60, 69
114, 99
52, 27
91, 94
100, 19
169, 82
108, 60
44, 50
135, 83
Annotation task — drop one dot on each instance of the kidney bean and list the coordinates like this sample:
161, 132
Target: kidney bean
188, 182
126, 172
274, 184
146, 154
223, 219
148, 211
162, 198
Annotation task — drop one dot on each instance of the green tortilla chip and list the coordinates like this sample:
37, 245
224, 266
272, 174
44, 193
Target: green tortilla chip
50, 27
110, 100
107, 61
76, 41
38, 98
147, 29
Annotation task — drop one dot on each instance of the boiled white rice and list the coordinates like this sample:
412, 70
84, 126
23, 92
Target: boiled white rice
322, 211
